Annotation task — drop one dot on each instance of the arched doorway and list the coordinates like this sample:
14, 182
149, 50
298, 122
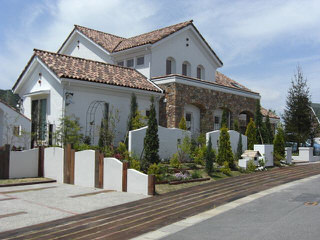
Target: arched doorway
192, 116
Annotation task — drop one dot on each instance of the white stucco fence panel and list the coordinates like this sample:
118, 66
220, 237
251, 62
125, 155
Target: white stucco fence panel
112, 174
288, 154
234, 138
137, 182
266, 150
24, 163
168, 141
53, 163
84, 168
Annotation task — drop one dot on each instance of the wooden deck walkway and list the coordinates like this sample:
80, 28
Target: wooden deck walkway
135, 218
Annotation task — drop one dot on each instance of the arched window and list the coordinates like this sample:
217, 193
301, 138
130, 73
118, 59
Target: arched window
170, 66
200, 72
186, 69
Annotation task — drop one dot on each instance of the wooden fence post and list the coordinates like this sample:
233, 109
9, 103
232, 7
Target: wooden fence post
72, 156
125, 166
151, 184
4, 162
41, 161
98, 175
67, 163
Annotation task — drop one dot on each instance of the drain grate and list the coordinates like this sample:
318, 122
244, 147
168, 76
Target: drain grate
311, 203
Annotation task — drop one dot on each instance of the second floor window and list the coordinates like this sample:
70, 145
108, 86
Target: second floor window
184, 69
130, 63
199, 72
140, 60
120, 63
168, 67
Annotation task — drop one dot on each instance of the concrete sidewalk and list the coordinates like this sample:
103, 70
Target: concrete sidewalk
290, 211
32, 204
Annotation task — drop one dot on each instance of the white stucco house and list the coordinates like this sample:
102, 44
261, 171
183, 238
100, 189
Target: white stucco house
93, 71
15, 128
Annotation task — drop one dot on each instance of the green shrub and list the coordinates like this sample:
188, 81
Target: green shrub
135, 164
199, 155
225, 169
174, 161
196, 174
251, 167
225, 150
155, 169
83, 146
251, 133
183, 124
209, 157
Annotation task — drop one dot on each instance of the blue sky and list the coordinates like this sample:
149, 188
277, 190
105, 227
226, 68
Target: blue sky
260, 42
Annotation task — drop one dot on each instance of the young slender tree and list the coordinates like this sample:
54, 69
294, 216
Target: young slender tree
279, 142
151, 140
209, 157
225, 151
251, 134
297, 120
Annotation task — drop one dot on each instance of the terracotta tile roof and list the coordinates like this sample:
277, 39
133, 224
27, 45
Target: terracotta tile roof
226, 81
150, 37
105, 40
222, 81
83, 69
266, 112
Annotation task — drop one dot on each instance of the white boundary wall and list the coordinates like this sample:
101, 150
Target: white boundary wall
112, 174
137, 182
168, 141
53, 163
306, 155
84, 168
24, 163
234, 138
266, 150
288, 154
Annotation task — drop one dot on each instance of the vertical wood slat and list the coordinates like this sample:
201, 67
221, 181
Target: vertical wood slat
41, 161
151, 184
125, 166
98, 175
4, 161
66, 160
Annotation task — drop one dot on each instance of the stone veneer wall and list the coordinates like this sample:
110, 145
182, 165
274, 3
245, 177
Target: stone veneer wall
177, 95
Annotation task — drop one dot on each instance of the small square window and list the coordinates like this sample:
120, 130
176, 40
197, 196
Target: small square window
120, 63
130, 63
16, 131
147, 113
140, 60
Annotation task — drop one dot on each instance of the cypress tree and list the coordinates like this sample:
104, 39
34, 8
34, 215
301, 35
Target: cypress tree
210, 156
236, 125
239, 147
269, 131
225, 150
279, 142
151, 140
297, 113
183, 124
260, 129
224, 119
251, 134
133, 111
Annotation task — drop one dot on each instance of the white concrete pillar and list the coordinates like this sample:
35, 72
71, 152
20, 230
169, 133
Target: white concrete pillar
306, 154
288, 154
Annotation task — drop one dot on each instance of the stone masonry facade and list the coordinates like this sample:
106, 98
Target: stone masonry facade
177, 95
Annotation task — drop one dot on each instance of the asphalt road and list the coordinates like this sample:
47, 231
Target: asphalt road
292, 213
